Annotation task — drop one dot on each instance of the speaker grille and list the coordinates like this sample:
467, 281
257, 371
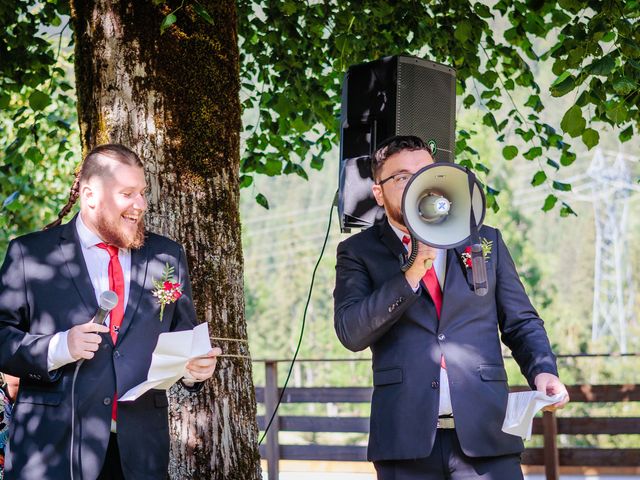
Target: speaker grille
426, 104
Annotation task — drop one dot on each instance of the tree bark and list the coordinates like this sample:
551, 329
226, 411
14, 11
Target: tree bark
174, 99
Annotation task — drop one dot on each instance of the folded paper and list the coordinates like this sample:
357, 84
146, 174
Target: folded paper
169, 359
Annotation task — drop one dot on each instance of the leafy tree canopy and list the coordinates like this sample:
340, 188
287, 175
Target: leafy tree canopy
37, 115
294, 56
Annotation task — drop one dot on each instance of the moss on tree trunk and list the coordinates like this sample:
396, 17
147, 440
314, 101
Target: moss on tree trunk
174, 99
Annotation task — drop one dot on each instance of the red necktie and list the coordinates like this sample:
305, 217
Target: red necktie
116, 283
432, 284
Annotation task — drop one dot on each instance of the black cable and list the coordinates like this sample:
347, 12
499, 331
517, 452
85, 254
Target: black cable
73, 416
304, 319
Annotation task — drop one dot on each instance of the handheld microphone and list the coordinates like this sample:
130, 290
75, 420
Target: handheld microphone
107, 302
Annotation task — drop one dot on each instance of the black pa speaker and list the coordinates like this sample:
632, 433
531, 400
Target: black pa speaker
397, 95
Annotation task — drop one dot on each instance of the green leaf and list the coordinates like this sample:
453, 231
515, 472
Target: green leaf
566, 210
490, 121
590, 138
462, 31
563, 85
468, 101
609, 37
567, 158
549, 202
533, 153
553, 164
572, 121
482, 168
262, 201
39, 100
245, 181
482, 10
525, 135
200, 10
563, 187
510, 152
626, 134
167, 22
603, 66
624, 86
539, 178
617, 112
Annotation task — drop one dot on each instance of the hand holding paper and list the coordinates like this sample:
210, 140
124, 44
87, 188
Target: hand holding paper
174, 351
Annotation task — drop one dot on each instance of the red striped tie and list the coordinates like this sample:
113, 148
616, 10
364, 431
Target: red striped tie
432, 285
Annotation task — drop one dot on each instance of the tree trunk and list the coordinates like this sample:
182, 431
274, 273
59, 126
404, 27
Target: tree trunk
174, 99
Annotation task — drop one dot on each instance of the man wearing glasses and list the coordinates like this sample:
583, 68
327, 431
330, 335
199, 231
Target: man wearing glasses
440, 387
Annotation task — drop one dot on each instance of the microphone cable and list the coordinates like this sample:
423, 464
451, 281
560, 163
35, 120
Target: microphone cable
73, 415
107, 302
334, 203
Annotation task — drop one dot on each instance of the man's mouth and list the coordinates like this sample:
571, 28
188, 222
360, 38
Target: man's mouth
131, 219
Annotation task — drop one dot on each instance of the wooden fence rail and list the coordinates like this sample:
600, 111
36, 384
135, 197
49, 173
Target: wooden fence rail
549, 426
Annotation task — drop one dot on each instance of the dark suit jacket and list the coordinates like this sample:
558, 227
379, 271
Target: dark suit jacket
44, 289
375, 307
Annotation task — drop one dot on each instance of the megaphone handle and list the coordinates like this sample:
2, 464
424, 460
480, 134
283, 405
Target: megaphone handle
479, 271
412, 255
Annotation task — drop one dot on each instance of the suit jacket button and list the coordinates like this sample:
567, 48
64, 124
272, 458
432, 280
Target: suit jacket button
435, 384
107, 400
441, 337
116, 354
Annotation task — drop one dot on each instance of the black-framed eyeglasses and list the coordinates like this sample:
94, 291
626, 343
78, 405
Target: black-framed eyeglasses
399, 179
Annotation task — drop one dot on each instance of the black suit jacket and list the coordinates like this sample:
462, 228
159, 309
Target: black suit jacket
44, 289
375, 307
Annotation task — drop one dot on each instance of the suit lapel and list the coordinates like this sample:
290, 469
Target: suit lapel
391, 240
77, 267
139, 262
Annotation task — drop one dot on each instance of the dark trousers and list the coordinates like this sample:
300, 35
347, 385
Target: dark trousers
112, 468
448, 462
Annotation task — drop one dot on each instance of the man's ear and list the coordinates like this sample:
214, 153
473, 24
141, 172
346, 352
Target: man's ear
88, 195
377, 193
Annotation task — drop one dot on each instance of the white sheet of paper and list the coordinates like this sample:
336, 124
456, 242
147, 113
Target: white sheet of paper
521, 408
170, 357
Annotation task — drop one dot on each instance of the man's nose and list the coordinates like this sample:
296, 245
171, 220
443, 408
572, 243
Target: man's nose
140, 203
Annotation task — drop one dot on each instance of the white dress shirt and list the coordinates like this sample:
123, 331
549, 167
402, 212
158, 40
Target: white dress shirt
97, 261
439, 264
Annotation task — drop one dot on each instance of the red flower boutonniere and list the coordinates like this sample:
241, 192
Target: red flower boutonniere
486, 252
167, 289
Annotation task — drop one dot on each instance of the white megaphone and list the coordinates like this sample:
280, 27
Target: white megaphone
443, 205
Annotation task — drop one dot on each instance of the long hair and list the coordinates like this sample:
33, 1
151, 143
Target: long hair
93, 166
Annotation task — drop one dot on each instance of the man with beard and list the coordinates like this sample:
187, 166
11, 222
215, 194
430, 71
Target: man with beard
440, 387
50, 284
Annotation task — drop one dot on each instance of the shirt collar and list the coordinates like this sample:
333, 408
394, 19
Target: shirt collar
88, 239
397, 231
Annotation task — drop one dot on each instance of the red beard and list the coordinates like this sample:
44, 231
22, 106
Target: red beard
115, 235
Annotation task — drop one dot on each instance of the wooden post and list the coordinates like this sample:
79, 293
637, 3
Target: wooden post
551, 457
270, 402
